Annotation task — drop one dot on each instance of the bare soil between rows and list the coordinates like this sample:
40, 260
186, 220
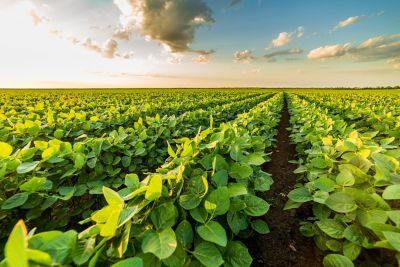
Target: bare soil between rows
284, 246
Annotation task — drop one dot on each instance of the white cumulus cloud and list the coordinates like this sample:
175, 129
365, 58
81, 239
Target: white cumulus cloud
349, 21
285, 38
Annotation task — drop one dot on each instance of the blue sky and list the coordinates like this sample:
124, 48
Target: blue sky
199, 43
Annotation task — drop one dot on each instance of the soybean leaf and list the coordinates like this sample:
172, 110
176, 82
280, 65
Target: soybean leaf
15, 201
131, 262
15, 249
161, 244
337, 260
208, 254
213, 232
27, 167
236, 254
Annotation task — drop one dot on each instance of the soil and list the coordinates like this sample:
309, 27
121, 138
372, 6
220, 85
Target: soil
284, 246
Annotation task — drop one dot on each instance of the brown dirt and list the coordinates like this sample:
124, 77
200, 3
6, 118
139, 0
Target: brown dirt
284, 246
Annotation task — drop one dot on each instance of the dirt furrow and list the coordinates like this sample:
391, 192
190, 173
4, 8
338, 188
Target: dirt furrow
284, 246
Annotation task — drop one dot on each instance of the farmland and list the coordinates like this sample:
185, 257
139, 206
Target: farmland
200, 177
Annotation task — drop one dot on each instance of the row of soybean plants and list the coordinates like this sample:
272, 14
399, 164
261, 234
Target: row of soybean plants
379, 111
351, 176
53, 183
69, 124
188, 213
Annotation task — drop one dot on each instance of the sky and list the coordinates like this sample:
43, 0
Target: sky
199, 43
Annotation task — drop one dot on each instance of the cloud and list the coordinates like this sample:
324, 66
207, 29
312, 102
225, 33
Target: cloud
285, 38
123, 34
376, 48
108, 50
329, 51
349, 21
394, 62
271, 56
127, 55
171, 22
245, 56
30, 9
380, 13
202, 58
300, 31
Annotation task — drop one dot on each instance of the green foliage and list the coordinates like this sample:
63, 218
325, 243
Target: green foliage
177, 213
350, 170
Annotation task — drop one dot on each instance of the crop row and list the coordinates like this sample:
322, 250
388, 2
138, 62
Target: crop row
44, 124
352, 179
187, 213
377, 112
70, 173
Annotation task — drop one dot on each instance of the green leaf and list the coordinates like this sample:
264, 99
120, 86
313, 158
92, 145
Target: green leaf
161, 244
392, 192
332, 228
184, 233
194, 194
111, 225
58, 133
393, 238
341, 202
84, 250
79, 161
235, 152
199, 214
27, 167
163, 216
351, 250
260, 226
208, 254
220, 178
112, 197
236, 189
300, 194
240, 171
33, 184
131, 262
319, 163
354, 234
213, 232
67, 192
256, 158
41, 145
337, 260
5, 150
345, 178
236, 255
325, 184
179, 258
15, 201
171, 152
334, 245
132, 180
394, 215
155, 188
57, 244
263, 182
39, 257
255, 206
16, 247
220, 198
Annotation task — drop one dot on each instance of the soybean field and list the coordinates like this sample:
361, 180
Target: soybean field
200, 177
